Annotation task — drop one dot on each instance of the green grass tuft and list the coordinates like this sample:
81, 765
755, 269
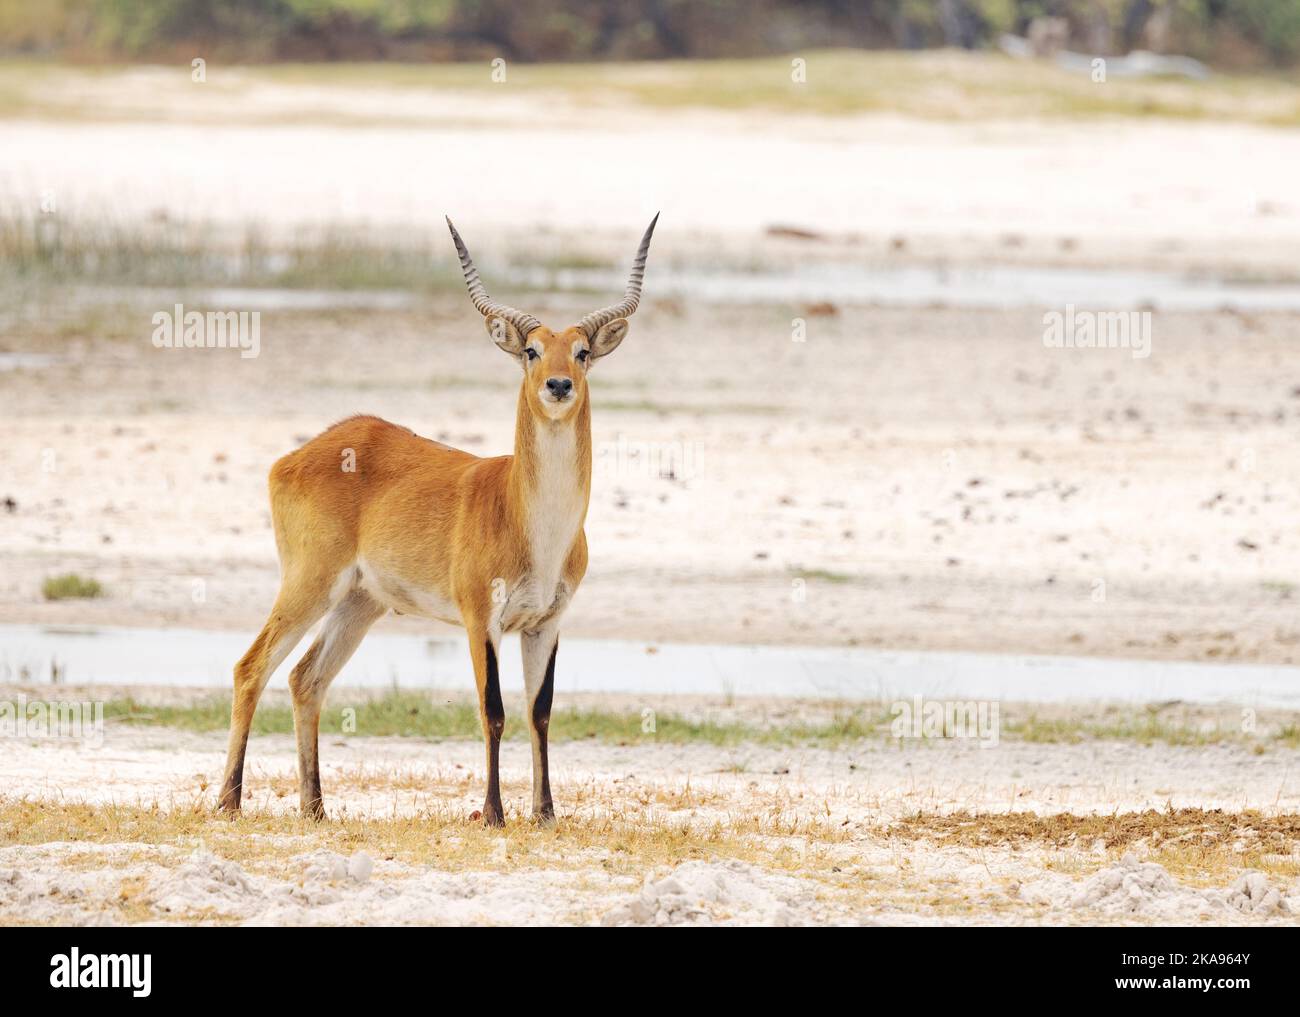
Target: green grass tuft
413, 714
1146, 727
416, 715
69, 586
825, 576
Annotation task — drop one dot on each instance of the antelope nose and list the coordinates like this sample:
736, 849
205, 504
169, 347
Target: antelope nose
560, 387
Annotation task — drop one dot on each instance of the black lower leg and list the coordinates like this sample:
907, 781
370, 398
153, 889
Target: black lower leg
542, 806
310, 797
495, 714
313, 804
233, 788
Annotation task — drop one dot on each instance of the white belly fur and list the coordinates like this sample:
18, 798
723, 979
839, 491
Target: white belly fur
398, 595
555, 519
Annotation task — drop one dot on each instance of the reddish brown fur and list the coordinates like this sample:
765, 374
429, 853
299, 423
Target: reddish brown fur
433, 522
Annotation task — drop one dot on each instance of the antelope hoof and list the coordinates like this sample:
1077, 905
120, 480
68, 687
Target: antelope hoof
544, 816
492, 816
228, 803
314, 810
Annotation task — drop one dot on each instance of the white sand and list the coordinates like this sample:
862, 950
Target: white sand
1125, 190
941, 479
875, 879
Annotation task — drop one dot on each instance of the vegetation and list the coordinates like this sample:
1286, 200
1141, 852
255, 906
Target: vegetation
1236, 32
416, 715
825, 576
938, 85
70, 585
1147, 726
97, 251
598, 836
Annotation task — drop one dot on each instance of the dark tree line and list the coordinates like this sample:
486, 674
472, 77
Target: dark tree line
1221, 31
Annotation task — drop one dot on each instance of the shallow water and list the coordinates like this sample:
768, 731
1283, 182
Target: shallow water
125, 656
27, 361
994, 286
247, 298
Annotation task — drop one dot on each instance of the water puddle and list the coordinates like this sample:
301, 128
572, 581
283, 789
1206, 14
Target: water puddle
248, 298
188, 657
991, 287
996, 287
27, 361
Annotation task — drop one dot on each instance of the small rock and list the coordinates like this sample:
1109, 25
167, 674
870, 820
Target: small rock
360, 866
1254, 894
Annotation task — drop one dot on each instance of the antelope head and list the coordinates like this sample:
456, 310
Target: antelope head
555, 364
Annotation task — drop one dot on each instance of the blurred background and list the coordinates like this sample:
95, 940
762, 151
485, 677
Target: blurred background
1228, 33
836, 422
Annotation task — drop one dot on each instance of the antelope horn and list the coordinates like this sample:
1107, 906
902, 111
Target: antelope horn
631, 297
485, 305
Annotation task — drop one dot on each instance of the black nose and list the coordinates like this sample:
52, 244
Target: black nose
560, 387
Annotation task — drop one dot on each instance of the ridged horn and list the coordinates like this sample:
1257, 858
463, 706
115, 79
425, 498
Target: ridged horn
631, 297
482, 302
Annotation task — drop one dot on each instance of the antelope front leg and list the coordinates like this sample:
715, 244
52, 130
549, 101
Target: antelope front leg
539, 649
484, 653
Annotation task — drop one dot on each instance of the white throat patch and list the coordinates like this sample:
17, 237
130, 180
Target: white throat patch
556, 508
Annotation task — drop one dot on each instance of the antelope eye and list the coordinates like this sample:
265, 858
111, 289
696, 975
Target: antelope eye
581, 355
532, 353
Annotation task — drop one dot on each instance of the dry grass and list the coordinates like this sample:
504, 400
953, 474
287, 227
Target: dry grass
936, 84
652, 828
443, 784
625, 841
1116, 831
920, 865
1202, 846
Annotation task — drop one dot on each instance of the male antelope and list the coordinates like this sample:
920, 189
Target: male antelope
425, 529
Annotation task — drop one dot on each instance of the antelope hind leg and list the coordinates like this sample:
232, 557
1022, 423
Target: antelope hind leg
344, 628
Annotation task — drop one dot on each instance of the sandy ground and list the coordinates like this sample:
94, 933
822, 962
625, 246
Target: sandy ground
1103, 191
926, 478
906, 478
874, 833
931, 479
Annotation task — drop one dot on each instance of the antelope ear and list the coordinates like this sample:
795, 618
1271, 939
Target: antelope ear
607, 338
504, 335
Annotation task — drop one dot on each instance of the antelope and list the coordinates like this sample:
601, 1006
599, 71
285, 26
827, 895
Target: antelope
495, 545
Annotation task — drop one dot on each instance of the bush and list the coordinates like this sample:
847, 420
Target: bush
70, 585
249, 31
